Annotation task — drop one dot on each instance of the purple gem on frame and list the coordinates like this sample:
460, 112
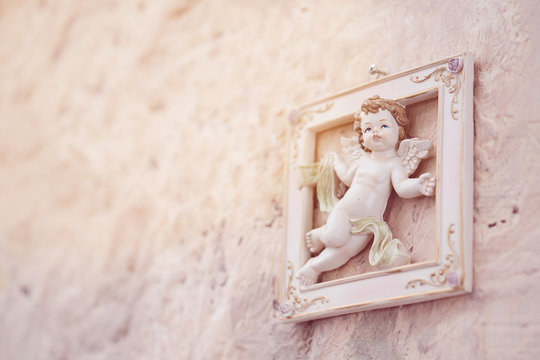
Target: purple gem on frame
294, 115
453, 279
286, 310
455, 65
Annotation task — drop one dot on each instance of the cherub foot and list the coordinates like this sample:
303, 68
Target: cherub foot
307, 275
313, 242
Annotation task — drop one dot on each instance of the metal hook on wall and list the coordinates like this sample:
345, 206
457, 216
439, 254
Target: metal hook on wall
374, 70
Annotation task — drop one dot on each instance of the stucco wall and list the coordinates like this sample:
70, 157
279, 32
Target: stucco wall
141, 175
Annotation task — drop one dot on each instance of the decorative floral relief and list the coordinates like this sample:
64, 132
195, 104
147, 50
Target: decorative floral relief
295, 303
447, 273
300, 120
450, 80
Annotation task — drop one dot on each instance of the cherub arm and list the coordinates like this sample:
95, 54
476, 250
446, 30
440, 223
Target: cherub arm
409, 188
344, 171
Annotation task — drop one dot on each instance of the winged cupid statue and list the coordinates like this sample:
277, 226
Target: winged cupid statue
370, 167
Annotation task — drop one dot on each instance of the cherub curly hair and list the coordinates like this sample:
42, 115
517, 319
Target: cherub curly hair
373, 105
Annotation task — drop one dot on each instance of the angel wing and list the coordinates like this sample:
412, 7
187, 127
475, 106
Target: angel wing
412, 151
351, 149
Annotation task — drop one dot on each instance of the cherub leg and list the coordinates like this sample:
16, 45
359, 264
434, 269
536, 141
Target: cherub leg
337, 230
307, 275
313, 240
334, 233
332, 258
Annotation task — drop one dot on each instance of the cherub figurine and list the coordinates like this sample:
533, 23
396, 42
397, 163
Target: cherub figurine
370, 173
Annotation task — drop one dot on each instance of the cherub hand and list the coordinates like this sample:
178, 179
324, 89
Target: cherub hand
426, 184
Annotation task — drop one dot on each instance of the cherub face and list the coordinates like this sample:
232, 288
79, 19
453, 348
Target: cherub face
380, 131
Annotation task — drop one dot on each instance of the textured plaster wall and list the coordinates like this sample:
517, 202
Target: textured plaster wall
141, 175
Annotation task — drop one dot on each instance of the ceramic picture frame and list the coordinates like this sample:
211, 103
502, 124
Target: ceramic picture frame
435, 231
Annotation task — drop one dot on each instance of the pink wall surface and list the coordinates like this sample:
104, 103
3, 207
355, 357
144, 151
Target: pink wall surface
142, 148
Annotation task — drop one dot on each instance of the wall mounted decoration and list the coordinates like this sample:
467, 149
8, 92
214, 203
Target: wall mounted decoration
380, 194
